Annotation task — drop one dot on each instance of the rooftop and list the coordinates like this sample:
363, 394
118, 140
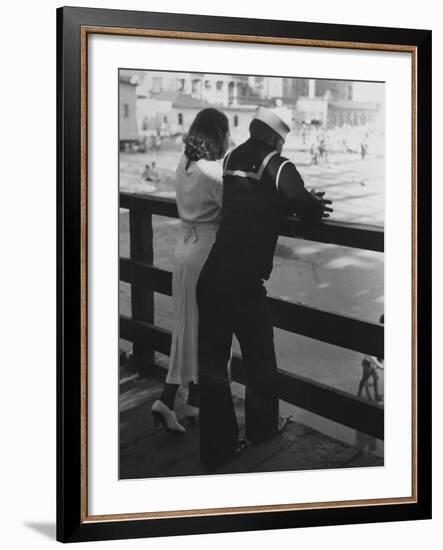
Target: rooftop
351, 104
180, 100
186, 101
127, 80
164, 95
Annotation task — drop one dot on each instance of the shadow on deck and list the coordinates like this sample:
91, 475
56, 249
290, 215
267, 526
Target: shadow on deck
146, 451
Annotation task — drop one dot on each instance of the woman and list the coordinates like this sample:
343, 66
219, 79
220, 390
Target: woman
199, 200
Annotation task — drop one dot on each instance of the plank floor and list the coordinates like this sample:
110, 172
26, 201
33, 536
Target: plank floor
146, 451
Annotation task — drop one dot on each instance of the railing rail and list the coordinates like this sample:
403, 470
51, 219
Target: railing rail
341, 330
330, 327
354, 235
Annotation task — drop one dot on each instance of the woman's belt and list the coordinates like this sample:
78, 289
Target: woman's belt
192, 230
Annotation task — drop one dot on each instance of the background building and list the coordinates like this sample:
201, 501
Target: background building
127, 110
164, 103
172, 113
211, 88
331, 103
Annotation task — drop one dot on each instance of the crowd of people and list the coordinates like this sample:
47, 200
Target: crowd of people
353, 140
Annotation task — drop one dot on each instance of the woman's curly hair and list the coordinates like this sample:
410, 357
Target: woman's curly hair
206, 138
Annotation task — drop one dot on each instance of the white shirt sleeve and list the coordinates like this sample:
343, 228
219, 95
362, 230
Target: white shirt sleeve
212, 169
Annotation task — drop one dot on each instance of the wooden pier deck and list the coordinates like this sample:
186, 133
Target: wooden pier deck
146, 451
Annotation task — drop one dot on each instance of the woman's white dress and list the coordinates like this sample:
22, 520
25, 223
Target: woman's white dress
199, 200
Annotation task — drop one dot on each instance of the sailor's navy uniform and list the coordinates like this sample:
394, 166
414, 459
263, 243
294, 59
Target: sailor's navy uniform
260, 187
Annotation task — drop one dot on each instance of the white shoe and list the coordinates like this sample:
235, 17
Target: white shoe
167, 417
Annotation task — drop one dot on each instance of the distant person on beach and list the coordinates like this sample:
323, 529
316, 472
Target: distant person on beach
147, 173
363, 149
322, 149
199, 177
157, 140
150, 174
314, 153
371, 365
154, 174
260, 187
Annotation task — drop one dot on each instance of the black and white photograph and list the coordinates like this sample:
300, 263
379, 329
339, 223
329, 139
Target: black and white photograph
251, 294
217, 284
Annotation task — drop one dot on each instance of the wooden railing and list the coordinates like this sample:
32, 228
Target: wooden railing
333, 328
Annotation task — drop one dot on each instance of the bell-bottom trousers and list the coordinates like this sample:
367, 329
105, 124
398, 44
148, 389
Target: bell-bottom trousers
228, 306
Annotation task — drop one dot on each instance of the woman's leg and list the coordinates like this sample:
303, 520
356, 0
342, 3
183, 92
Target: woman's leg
177, 359
163, 410
168, 395
193, 396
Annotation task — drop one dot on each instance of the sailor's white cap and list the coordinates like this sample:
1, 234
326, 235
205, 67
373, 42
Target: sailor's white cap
277, 119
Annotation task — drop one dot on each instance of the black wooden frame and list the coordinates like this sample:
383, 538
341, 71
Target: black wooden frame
71, 524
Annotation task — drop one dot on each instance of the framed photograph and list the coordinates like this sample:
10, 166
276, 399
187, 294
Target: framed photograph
244, 271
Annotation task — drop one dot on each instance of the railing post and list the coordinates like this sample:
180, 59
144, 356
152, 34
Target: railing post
142, 300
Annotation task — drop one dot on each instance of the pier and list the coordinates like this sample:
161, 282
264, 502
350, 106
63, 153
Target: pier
146, 451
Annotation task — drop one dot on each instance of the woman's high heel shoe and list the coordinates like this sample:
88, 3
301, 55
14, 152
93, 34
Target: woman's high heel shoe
166, 417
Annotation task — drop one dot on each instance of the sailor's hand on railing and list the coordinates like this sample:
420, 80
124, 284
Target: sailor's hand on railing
319, 195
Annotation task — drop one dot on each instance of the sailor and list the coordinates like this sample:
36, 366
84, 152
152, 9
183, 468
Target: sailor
260, 188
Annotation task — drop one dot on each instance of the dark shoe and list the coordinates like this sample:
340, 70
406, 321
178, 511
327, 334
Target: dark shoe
283, 422
241, 446
217, 462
